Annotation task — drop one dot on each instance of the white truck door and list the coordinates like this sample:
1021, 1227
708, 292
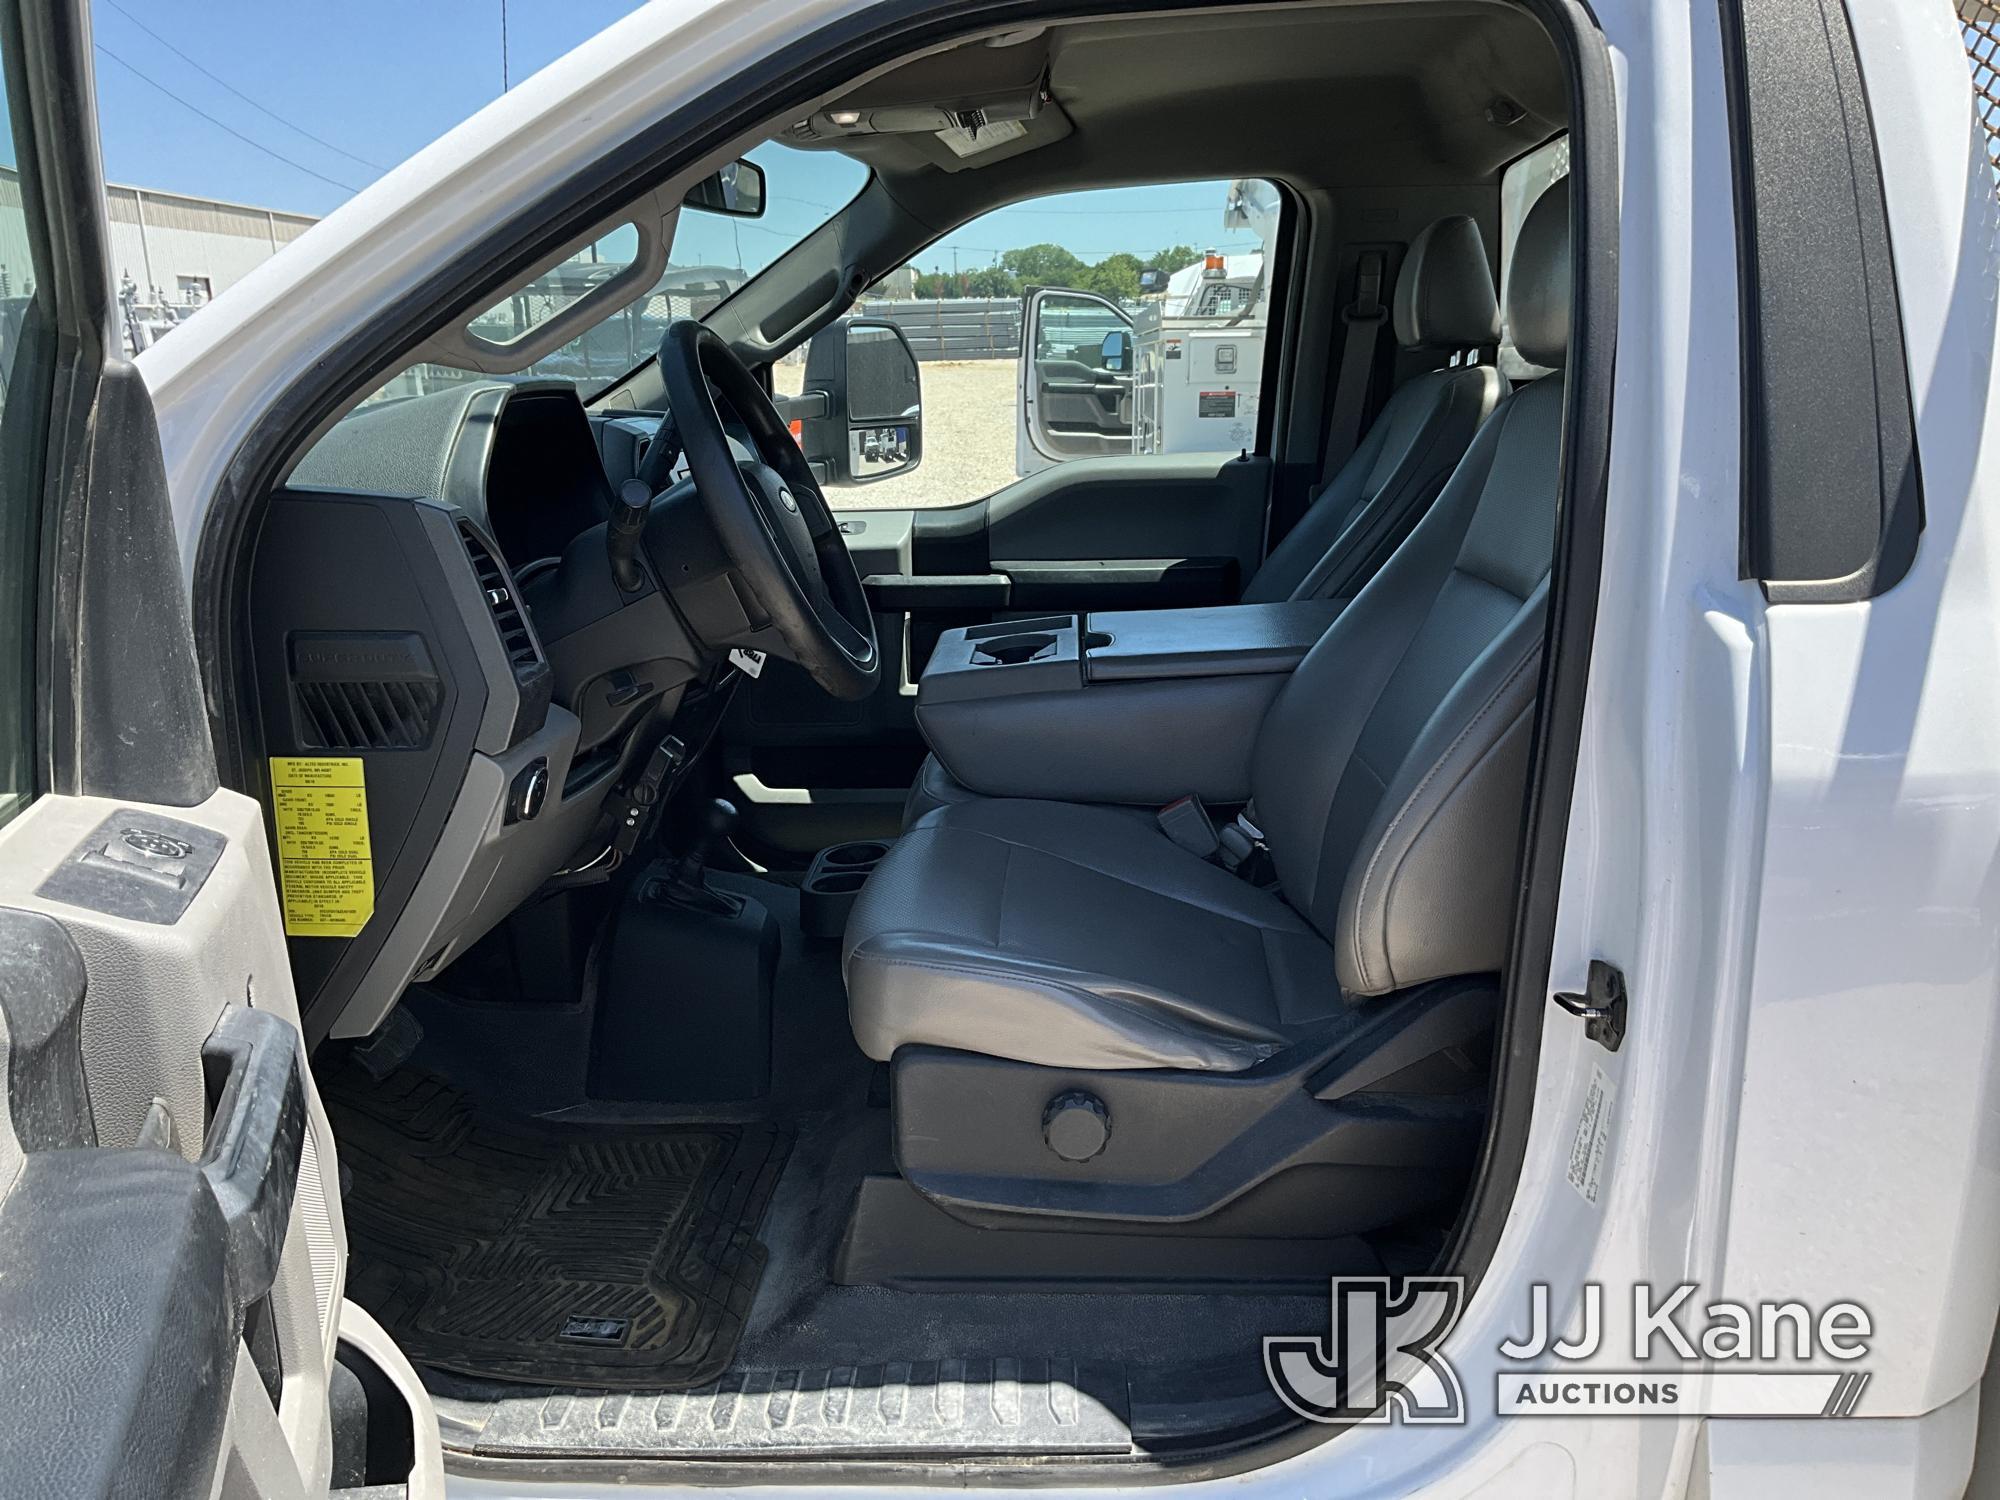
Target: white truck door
171, 1243
1073, 396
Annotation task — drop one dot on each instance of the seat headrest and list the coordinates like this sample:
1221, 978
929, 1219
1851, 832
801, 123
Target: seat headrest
1444, 293
1538, 282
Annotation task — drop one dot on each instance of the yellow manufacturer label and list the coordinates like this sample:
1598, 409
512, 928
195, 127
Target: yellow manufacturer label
324, 863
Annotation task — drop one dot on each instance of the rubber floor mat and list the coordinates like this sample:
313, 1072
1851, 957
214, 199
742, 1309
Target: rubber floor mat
612, 1257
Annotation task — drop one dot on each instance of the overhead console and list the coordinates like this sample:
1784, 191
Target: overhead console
964, 107
1133, 706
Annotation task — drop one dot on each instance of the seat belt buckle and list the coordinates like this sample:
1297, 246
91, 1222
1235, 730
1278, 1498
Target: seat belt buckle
1187, 823
1243, 850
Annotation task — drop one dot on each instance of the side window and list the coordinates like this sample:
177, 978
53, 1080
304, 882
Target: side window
1112, 323
26, 373
1072, 329
1520, 185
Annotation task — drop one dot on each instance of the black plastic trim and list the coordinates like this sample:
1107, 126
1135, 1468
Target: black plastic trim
309, 580
1832, 495
1121, 583
128, 723
42, 985
255, 1072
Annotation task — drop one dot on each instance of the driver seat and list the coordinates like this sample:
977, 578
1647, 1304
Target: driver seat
1389, 777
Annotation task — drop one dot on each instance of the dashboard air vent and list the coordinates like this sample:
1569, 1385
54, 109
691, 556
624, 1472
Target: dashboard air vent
498, 591
366, 690
367, 715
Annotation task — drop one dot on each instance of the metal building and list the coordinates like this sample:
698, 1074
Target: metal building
171, 252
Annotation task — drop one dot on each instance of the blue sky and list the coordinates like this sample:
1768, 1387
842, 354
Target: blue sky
297, 106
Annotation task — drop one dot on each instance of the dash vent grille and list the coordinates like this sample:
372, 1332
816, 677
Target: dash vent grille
364, 690
498, 591
367, 715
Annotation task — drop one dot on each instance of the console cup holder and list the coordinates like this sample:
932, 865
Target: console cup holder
846, 883
1012, 650
832, 881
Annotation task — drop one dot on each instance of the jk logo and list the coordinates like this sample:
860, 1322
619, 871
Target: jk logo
1379, 1359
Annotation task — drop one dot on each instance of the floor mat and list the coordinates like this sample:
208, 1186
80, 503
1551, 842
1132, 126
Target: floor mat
609, 1258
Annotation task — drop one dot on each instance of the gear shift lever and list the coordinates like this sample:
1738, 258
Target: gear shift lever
718, 821
688, 885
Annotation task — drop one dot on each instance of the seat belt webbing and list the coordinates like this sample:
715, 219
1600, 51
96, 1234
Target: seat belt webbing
1364, 319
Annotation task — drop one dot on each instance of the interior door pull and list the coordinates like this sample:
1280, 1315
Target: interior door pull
252, 1062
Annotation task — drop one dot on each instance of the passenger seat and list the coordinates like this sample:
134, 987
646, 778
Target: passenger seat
1444, 301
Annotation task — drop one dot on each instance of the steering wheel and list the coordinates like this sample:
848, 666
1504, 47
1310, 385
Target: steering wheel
767, 512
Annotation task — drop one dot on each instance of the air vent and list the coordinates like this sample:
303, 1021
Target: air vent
366, 715
498, 591
363, 691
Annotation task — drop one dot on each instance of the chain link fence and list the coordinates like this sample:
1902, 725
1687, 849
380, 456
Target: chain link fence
1982, 49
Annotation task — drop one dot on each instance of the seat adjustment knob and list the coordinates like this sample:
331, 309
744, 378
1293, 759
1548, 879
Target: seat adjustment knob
1076, 1125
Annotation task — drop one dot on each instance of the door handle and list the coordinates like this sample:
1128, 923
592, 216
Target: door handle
255, 1139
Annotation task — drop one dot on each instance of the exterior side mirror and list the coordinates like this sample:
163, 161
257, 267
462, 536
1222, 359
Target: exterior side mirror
1116, 353
864, 374
736, 190
1152, 279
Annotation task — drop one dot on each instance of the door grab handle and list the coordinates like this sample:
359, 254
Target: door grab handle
255, 1139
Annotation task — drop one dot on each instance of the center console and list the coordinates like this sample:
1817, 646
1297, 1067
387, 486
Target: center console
1135, 706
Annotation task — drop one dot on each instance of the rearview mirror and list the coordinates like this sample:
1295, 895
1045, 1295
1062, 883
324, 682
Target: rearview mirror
863, 402
736, 190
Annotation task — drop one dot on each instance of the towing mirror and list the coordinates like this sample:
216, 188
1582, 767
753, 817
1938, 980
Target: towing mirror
736, 190
1152, 279
1116, 353
864, 403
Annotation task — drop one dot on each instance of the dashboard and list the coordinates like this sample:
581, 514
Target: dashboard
429, 596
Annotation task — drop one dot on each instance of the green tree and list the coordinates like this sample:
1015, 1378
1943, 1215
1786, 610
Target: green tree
1116, 276
1043, 265
1174, 258
992, 281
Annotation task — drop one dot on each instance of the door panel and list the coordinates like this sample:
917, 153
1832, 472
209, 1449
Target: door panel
131, 1040
1072, 404
1194, 506
171, 1243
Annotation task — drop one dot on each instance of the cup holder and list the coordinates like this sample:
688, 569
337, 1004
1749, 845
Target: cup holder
832, 881
1013, 650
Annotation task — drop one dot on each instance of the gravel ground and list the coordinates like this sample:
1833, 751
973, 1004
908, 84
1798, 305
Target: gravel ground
968, 437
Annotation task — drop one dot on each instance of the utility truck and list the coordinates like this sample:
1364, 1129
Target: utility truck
1177, 371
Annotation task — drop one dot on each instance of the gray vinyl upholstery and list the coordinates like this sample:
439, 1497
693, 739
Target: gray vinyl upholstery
1389, 778
934, 787
1033, 930
1443, 300
1444, 292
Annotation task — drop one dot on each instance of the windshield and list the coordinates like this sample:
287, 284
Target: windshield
712, 255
